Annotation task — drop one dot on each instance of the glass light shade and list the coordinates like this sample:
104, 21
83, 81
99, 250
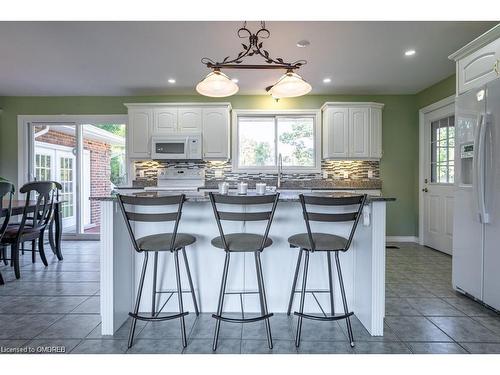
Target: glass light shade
289, 86
216, 84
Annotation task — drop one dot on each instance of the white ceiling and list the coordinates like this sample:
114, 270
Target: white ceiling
137, 58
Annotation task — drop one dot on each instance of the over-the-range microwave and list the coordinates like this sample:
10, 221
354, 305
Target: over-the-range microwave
180, 146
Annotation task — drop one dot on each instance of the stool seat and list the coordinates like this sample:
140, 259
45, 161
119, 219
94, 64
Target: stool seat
242, 242
322, 241
162, 241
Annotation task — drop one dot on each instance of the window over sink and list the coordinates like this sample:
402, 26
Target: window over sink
259, 137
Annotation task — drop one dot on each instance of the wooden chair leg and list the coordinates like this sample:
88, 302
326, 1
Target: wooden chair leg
41, 250
33, 251
15, 260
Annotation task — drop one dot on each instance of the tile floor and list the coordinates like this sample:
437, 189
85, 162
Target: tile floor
59, 306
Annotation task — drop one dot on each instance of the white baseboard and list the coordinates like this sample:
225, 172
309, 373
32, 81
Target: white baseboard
402, 239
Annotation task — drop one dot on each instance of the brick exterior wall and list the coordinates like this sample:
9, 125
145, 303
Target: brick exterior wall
100, 167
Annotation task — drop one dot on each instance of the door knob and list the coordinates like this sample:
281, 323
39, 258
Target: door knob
425, 190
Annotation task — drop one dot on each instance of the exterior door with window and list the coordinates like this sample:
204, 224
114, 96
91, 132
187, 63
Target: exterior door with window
438, 179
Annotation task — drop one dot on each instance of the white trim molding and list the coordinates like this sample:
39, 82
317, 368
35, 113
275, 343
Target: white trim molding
402, 239
316, 113
440, 105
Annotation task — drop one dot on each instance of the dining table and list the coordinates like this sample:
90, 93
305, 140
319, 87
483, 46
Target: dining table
55, 225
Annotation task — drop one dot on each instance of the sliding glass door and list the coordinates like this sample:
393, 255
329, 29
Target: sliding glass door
86, 159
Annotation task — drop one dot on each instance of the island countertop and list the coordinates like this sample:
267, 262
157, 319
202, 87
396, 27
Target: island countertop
203, 196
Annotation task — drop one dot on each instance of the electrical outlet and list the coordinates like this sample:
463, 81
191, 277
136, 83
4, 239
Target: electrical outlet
141, 173
219, 173
370, 174
325, 174
346, 174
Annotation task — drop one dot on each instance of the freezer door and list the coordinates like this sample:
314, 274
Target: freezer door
467, 258
491, 282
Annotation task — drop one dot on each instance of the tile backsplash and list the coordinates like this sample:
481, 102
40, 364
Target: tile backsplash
349, 172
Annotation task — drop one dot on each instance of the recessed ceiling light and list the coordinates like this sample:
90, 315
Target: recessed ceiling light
303, 43
410, 52
235, 80
171, 80
327, 80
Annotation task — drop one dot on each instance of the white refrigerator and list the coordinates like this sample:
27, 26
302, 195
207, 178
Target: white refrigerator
476, 221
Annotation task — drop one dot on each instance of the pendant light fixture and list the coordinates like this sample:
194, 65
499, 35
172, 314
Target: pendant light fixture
217, 84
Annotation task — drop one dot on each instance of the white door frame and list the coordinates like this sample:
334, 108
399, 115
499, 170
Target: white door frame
421, 158
23, 146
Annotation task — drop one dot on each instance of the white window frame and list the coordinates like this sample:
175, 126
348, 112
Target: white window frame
316, 114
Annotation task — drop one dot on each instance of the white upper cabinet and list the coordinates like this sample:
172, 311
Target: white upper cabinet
336, 132
215, 133
375, 133
139, 132
352, 130
189, 119
165, 120
359, 133
478, 62
210, 119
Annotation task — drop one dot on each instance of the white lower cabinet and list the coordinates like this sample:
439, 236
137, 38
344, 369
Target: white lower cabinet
216, 133
352, 130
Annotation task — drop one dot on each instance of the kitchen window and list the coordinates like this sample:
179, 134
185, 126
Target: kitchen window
260, 137
443, 150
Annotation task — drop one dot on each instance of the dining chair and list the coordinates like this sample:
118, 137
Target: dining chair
33, 223
6, 189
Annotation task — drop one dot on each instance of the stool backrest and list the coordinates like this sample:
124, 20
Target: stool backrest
128, 201
43, 192
245, 200
315, 200
6, 189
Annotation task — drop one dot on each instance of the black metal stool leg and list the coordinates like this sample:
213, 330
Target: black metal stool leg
179, 298
155, 276
188, 271
263, 298
221, 300
344, 300
302, 299
294, 283
138, 300
330, 282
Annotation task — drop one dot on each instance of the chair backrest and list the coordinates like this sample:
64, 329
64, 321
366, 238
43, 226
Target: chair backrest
128, 204
6, 189
266, 215
315, 200
43, 192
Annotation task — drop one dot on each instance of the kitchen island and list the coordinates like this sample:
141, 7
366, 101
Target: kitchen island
363, 266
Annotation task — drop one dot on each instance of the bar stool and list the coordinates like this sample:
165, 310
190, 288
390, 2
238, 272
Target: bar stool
243, 242
325, 242
173, 242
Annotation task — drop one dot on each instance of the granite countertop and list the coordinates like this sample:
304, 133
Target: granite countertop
202, 196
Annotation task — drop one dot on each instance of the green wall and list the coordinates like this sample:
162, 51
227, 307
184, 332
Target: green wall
399, 165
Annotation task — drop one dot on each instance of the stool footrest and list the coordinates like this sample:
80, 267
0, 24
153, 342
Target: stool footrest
242, 320
157, 318
325, 318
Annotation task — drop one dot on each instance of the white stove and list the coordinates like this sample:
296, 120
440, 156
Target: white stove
179, 179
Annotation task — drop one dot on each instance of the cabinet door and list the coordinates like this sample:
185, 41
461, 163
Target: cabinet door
479, 67
335, 132
190, 119
215, 133
375, 133
139, 132
165, 120
359, 133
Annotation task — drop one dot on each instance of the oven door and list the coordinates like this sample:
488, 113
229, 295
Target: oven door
170, 148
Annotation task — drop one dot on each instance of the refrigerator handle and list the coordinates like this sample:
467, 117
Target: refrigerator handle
475, 166
480, 171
